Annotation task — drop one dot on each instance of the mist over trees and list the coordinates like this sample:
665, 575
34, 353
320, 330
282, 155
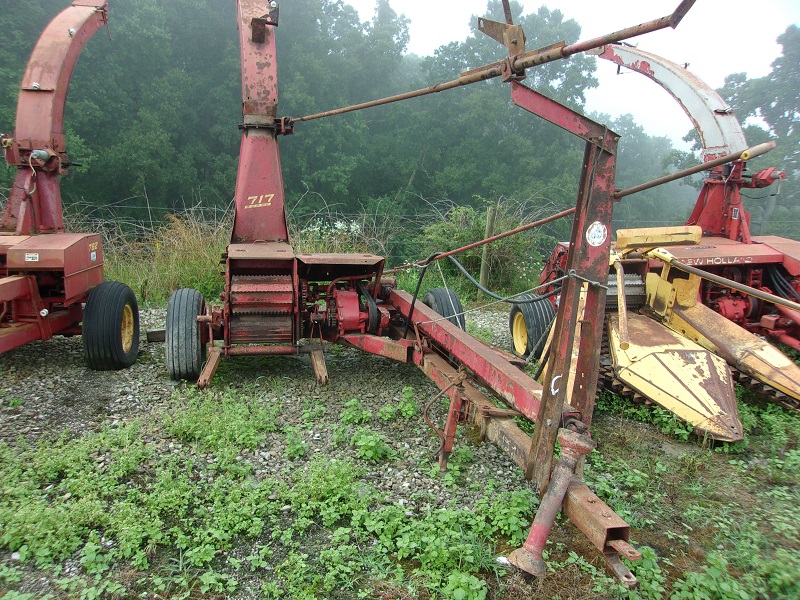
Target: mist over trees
153, 111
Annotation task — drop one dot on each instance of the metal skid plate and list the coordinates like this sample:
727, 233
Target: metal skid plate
327, 267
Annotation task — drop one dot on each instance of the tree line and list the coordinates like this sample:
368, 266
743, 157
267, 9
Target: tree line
153, 111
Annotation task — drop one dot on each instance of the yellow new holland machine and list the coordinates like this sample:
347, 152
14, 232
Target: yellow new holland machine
676, 334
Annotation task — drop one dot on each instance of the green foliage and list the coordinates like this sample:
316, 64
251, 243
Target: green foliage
50, 525
464, 586
295, 445
312, 412
514, 261
9, 575
648, 572
629, 490
485, 334
713, 582
666, 421
183, 252
354, 413
223, 420
408, 407
458, 460
387, 412
371, 446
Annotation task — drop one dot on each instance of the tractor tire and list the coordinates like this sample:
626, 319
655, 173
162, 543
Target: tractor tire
111, 327
446, 303
185, 351
529, 324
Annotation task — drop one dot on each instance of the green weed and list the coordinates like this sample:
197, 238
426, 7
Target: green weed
223, 420
183, 252
354, 413
295, 445
387, 412
408, 406
713, 581
485, 334
371, 446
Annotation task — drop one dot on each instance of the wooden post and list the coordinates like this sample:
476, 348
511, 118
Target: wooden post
484, 279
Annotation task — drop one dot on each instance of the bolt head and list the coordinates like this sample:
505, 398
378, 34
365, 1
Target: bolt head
44, 312
72, 32
36, 86
273, 4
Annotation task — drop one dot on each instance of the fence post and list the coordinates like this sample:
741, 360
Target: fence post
484, 279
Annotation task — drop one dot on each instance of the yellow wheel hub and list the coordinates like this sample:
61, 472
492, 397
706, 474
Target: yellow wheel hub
520, 334
126, 329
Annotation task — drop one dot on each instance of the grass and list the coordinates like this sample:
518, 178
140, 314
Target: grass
174, 504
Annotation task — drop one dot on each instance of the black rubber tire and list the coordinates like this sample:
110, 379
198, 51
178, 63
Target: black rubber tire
185, 351
111, 327
446, 303
537, 318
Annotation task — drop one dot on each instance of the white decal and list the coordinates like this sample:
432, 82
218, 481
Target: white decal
93, 256
553, 389
720, 260
31, 257
597, 234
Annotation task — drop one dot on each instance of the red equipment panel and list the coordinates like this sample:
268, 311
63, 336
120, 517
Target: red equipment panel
789, 249
714, 251
6, 242
78, 256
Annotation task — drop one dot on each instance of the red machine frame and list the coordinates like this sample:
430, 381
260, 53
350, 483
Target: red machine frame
274, 299
47, 275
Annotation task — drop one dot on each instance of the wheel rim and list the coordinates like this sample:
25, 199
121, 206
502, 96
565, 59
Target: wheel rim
520, 334
127, 329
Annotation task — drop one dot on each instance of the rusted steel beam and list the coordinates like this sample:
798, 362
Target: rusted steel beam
503, 432
569, 120
511, 384
396, 350
743, 155
601, 525
590, 244
537, 58
520, 63
210, 368
529, 557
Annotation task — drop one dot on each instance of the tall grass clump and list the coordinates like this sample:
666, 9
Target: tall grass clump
185, 251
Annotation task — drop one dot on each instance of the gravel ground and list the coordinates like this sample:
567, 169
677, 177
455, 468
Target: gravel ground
46, 390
